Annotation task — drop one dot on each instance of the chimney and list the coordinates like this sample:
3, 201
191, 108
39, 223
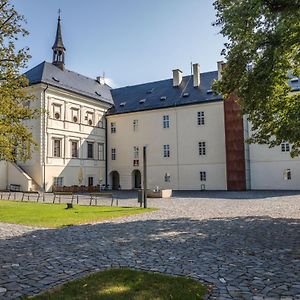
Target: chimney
221, 66
177, 77
101, 80
196, 75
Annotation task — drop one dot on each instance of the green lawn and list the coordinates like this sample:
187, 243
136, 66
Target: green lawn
124, 284
55, 215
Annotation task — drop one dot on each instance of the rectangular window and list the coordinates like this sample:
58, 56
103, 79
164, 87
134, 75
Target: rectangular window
136, 151
135, 125
90, 181
75, 115
166, 150
100, 151
201, 119
167, 177
90, 150
285, 147
113, 127
202, 148
202, 176
166, 121
287, 175
74, 149
113, 154
57, 111
58, 181
57, 148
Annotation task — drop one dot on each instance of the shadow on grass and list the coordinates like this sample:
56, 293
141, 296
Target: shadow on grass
124, 284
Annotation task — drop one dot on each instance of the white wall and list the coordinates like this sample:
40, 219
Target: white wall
268, 167
43, 167
10, 173
184, 164
3, 175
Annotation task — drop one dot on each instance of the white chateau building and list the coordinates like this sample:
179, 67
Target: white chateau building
94, 135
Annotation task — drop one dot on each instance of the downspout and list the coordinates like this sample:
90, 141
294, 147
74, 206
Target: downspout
106, 156
44, 138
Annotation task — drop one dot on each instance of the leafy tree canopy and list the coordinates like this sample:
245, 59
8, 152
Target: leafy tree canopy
263, 53
16, 141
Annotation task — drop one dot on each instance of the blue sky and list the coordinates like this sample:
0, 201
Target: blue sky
132, 41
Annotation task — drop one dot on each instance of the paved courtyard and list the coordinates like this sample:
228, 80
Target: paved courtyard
246, 245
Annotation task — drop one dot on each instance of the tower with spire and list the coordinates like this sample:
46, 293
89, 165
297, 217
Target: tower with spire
58, 47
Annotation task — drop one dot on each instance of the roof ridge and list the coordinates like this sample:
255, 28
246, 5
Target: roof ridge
156, 81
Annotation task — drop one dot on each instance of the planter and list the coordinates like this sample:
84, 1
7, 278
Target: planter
159, 194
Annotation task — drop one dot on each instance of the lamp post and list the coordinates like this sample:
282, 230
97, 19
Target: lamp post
145, 176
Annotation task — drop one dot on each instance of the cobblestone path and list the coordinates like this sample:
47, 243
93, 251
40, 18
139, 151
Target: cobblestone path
247, 245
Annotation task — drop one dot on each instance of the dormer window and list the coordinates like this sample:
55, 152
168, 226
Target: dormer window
185, 95
122, 104
150, 91
163, 98
295, 79
209, 91
142, 101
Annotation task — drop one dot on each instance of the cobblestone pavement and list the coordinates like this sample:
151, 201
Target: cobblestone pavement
247, 245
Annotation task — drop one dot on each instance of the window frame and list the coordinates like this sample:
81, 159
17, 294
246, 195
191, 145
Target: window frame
166, 151
113, 154
136, 152
55, 155
285, 147
57, 179
56, 106
203, 176
135, 125
166, 121
201, 118
88, 149
101, 154
113, 127
202, 148
77, 149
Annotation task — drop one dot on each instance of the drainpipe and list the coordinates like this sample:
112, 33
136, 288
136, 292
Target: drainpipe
106, 155
44, 138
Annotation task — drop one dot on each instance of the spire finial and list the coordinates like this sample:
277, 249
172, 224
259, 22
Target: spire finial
59, 12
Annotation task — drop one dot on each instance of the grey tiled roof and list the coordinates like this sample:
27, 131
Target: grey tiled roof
68, 80
128, 99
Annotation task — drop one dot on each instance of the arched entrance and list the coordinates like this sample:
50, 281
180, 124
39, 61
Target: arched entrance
136, 179
115, 180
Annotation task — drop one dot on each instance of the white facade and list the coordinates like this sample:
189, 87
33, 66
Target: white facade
70, 118
273, 169
181, 170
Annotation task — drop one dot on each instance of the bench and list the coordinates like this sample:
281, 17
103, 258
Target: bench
29, 193
95, 196
59, 194
14, 187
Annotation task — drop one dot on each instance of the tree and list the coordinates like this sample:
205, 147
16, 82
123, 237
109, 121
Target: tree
263, 53
16, 141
